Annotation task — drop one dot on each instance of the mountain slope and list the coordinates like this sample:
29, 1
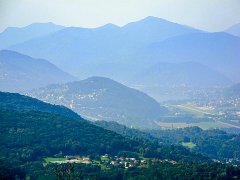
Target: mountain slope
17, 102
232, 91
218, 51
154, 29
31, 136
15, 35
100, 98
171, 81
19, 72
37, 129
181, 74
108, 47
234, 30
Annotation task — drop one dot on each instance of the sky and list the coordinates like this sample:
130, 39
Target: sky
209, 15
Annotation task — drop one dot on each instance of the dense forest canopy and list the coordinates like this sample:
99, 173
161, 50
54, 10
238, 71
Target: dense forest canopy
32, 130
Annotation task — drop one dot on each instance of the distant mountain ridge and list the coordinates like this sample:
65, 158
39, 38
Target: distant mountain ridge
14, 35
218, 51
19, 72
98, 98
234, 30
124, 52
232, 91
108, 47
173, 81
187, 74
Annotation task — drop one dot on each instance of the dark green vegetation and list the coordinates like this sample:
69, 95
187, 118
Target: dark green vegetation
19, 72
214, 143
181, 171
29, 135
99, 98
14, 101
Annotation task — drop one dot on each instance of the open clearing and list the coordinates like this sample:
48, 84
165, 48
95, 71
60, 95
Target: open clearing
51, 159
195, 110
189, 145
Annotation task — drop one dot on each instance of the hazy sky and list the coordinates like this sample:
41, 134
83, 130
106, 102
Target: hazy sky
211, 15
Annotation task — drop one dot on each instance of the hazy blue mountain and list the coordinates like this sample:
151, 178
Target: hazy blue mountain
19, 72
232, 91
119, 52
219, 51
168, 81
98, 98
14, 35
105, 51
153, 29
180, 74
234, 30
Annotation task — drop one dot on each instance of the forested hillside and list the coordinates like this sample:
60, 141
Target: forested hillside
29, 134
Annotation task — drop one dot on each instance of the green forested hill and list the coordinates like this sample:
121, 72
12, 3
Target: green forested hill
27, 137
36, 134
99, 98
14, 101
213, 143
29, 133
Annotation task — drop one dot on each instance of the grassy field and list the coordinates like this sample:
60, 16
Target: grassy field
51, 159
194, 109
104, 158
189, 145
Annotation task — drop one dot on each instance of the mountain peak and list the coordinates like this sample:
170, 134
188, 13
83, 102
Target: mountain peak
154, 18
234, 30
109, 25
99, 98
98, 78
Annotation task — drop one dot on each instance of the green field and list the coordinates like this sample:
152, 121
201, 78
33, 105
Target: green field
51, 159
194, 109
189, 145
104, 158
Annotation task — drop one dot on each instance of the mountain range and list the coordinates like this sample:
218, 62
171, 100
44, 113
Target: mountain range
218, 51
232, 92
106, 51
99, 98
165, 81
19, 72
146, 54
121, 52
15, 35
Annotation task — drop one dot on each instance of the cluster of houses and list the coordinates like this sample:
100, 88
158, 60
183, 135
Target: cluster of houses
108, 161
126, 162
